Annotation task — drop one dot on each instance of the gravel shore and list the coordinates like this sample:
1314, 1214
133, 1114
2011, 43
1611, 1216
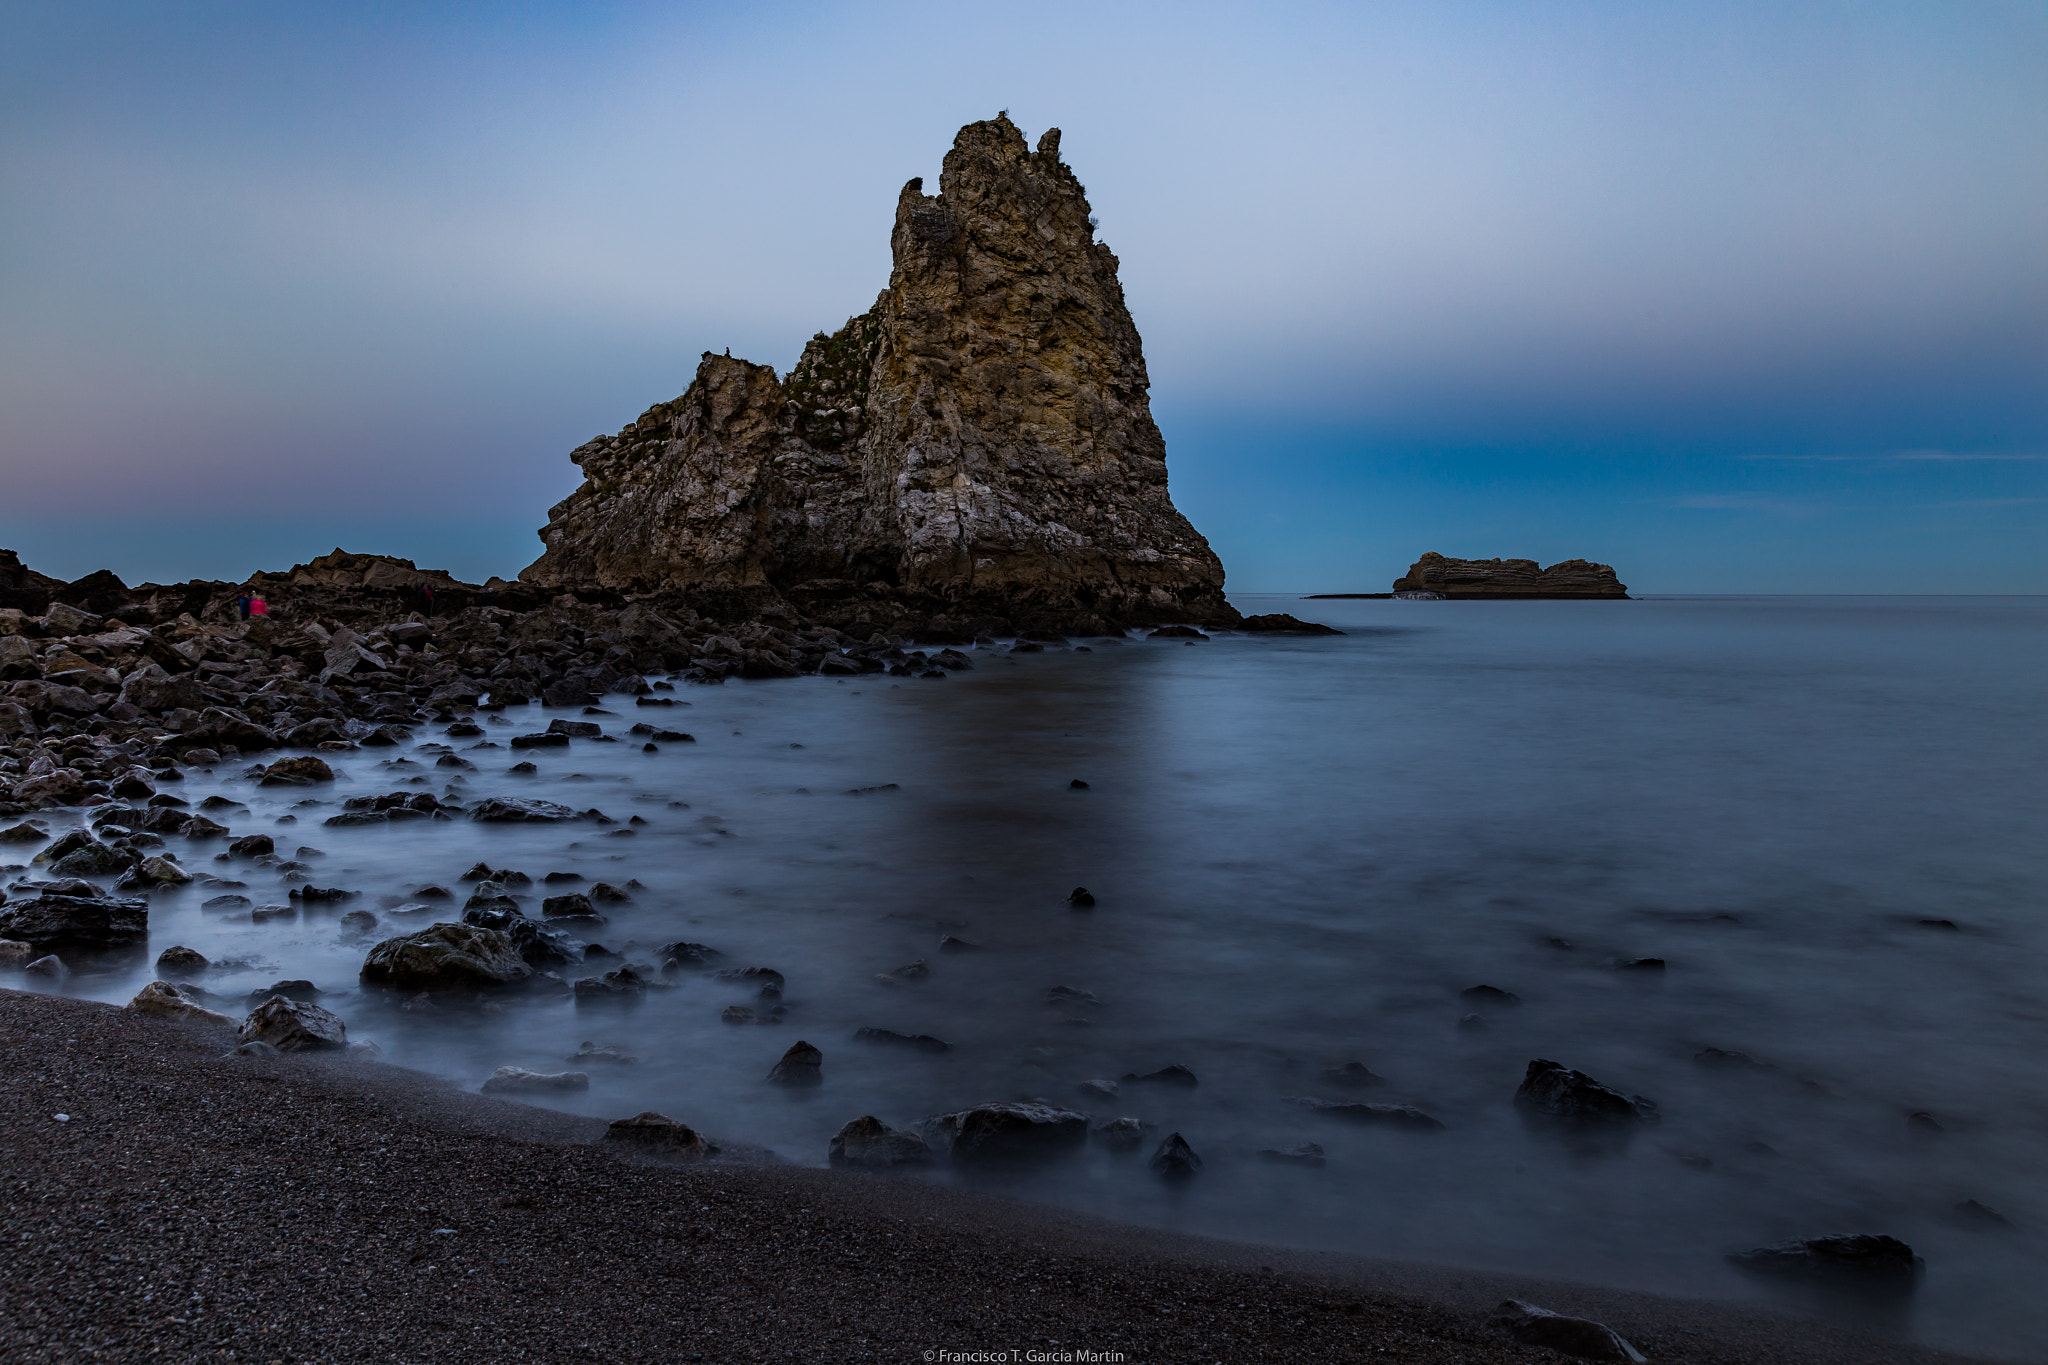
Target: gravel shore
196, 1205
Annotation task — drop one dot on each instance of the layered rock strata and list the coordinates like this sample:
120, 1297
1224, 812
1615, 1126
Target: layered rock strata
978, 444
1466, 578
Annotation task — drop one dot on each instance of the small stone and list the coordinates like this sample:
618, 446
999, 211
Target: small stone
1175, 1159
1081, 899
179, 958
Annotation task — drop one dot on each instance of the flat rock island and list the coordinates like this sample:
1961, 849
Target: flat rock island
1509, 578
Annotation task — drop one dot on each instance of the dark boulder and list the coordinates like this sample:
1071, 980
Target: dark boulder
1175, 1159
293, 1026
1303, 1154
1861, 1260
1008, 1129
1558, 1092
922, 1042
445, 957
868, 1142
1280, 623
1385, 1115
1175, 1075
504, 810
71, 923
658, 1135
622, 986
801, 1065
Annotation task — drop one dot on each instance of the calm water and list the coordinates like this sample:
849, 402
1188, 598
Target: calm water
1302, 851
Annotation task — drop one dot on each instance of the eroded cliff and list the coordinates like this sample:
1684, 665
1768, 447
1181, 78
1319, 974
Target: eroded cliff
978, 443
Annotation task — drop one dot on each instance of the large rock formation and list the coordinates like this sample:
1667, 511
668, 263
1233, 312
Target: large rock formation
1509, 578
978, 443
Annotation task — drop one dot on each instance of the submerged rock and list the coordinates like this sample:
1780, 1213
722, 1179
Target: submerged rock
1008, 1129
801, 1065
1390, 1115
870, 1143
923, 1042
1175, 1158
1863, 1260
517, 1080
1175, 1075
1558, 1092
1302, 1154
445, 957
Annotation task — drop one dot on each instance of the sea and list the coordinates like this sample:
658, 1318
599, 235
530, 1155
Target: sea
1805, 830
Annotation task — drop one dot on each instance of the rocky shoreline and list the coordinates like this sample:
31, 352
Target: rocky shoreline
171, 1197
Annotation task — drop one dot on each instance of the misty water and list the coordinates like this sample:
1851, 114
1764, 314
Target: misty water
1302, 851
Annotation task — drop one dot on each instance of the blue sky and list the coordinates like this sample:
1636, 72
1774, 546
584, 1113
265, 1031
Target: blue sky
1734, 297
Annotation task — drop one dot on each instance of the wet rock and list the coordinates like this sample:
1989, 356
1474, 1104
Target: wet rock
1970, 1213
1920, 1120
1302, 1154
1640, 964
958, 945
1077, 785
606, 894
27, 832
55, 923
256, 1049
801, 1065
1558, 1092
1121, 1134
914, 971
1581, 1337
1175, 1075
359, 922
1352, 1075
517, 1080
297, 988
304, 770
577, 729
575, 905
1385, 1115
252, 846
1862, 1260
652, 1134
1723, 1059
1098, 1089
1004, 1129
50, 966
737, 1014
767, 978
1280, 623
65, 845
199, 827
15, 953
870, 1144
672, 737
506, 810
1068, 995
590, 1054
620, 986
180, 959
1488, 995
1175, 1159
683, 955
158, 872
167, 1001
321, 894
91, 859
543, 740
293, 1026
445, 957
1081, 899
922, 1042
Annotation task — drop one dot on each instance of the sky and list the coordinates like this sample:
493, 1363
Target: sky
1736, 297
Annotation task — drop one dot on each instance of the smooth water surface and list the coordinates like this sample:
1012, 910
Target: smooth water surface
1302, 851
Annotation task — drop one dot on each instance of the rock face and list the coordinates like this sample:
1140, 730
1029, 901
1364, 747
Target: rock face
980, 442
1469, 578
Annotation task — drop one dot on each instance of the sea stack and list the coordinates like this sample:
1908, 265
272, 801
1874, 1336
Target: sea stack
979, 444
1493, 578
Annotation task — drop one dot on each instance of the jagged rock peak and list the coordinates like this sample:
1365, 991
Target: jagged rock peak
980, 440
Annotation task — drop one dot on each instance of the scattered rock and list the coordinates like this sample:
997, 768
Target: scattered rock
1098, 1089
1351, 1074
507, 810
869, 1143
53, 922
1581, 1337
445, 957
1121, 1134
359, 922
50, 966
1389, 1115
178, 958
1004, 1129
923, 1042
517, 1080
1304, 1154
1559, 1092
167, 1001
1175, 1075
1080, 898
591, 1054
1175, 1159
1488, 995
301, 771
14, 953
801, 1065
1280, 623
1873, 1261
253, 846
293, 1026
652, 1134
620, 986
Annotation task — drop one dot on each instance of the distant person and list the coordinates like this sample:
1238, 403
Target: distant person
258, 607
242, 606
427, 598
